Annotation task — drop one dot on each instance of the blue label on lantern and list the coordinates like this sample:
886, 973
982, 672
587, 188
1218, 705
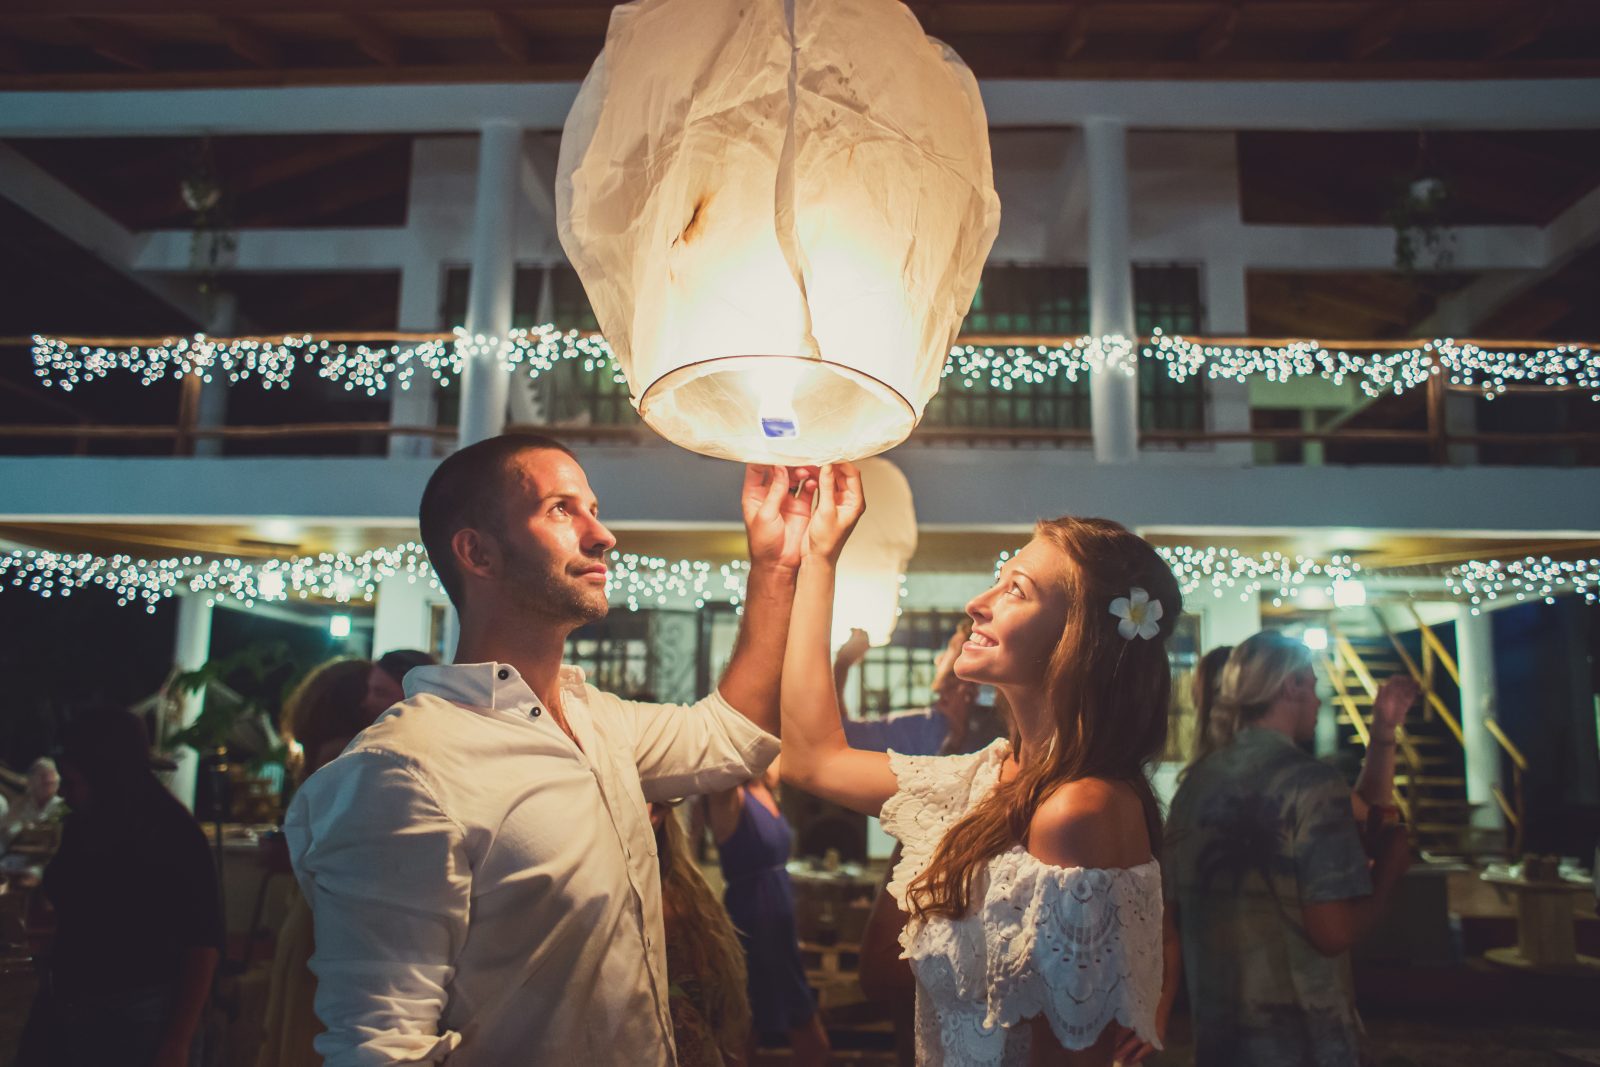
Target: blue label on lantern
779, 428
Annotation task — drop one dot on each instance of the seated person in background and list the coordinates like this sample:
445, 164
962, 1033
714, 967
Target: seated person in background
955, 723
40, 802
1266, 871
753, 840
705, 963
138, 920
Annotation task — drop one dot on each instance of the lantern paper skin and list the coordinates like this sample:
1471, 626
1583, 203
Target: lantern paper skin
867, 587
780, 213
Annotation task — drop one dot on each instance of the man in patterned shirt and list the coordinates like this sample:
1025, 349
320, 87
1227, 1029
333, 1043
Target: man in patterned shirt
1267, 870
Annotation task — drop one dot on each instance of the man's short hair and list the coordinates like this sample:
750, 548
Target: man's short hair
467, 491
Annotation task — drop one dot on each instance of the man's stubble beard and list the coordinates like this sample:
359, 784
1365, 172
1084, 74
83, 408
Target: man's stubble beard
544, 590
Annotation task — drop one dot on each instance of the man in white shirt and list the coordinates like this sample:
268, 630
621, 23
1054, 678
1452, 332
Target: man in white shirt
479, 862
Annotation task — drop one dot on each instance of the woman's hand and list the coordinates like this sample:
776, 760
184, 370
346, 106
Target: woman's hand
839, 505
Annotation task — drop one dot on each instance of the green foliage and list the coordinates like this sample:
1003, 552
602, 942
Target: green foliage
240, 687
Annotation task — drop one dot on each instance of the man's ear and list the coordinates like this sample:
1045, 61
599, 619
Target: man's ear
476, 552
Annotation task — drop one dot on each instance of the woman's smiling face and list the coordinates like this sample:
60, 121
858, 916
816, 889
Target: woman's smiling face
1017, 622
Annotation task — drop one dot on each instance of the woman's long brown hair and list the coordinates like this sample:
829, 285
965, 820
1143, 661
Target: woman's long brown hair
1109, 696
700, 924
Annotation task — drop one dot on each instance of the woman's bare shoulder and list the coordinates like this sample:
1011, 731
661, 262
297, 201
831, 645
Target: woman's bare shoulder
1090, 822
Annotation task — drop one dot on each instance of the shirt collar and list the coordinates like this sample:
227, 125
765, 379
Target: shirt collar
496, 686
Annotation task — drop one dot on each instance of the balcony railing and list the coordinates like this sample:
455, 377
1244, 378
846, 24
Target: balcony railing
584, 399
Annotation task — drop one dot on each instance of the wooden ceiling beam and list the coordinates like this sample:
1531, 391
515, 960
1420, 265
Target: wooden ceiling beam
375, 42
11, 57
1074, 33
113, 43
1524, 25
512, 37
1376, 30
249, 43
1218, 32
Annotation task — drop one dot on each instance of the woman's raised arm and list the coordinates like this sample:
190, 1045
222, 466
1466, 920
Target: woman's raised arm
816, 756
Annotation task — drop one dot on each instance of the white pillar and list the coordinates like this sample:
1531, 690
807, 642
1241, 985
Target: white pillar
527, 395
212, 411
1483, 758
1228, 315
191, 649
402, 613
420, 282
484, 377
1113, 393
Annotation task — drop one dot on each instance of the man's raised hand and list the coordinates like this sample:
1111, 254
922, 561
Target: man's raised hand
774, 517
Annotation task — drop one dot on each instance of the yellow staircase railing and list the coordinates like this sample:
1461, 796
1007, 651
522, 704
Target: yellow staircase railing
1434, 653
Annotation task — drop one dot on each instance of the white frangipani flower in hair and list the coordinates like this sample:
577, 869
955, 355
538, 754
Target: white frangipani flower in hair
1141, 616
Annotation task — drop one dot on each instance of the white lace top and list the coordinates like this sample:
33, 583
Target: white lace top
1081, 946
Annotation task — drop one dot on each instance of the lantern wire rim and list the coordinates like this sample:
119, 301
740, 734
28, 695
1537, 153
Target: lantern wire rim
679, 375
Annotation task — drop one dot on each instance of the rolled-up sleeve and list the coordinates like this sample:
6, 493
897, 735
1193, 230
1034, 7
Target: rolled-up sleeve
387, 877
685, 750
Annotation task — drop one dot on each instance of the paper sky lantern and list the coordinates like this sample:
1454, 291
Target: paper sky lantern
867, 588
780, 212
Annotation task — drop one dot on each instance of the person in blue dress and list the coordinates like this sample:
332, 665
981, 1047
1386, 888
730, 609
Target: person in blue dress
753, 842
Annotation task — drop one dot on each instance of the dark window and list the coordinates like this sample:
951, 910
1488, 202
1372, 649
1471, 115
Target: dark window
615, 654
899, 675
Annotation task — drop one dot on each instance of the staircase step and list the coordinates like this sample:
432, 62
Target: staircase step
1429, 780
1443, 803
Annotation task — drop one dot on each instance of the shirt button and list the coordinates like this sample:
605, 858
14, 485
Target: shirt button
535, 711
504, 673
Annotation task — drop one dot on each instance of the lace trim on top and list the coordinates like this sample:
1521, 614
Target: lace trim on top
1081, 946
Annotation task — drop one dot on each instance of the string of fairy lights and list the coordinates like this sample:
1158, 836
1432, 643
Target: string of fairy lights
359, 365
638, 582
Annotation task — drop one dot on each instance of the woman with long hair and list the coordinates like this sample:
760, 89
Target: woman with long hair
1028, 868
324, 711
1204, 688
705, 962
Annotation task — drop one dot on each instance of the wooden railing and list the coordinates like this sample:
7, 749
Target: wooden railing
1435, 435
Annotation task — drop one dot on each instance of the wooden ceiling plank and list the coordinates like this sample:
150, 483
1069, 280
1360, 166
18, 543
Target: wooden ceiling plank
11, 57
375, 42
114, 43
1218, 33
1376, 30
249, 43
1075, 33
512, 37
1523, 26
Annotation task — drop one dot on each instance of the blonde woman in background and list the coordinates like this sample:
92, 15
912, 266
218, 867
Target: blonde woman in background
1266, 870
705, 963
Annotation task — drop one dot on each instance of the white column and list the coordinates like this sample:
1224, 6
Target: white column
1113, 394
421, 281
484, 377
191, 649
527, 395
1228, 315
401, 614
1483, 758
213, 408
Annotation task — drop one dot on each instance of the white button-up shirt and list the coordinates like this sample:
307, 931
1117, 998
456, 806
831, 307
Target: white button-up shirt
486, 892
